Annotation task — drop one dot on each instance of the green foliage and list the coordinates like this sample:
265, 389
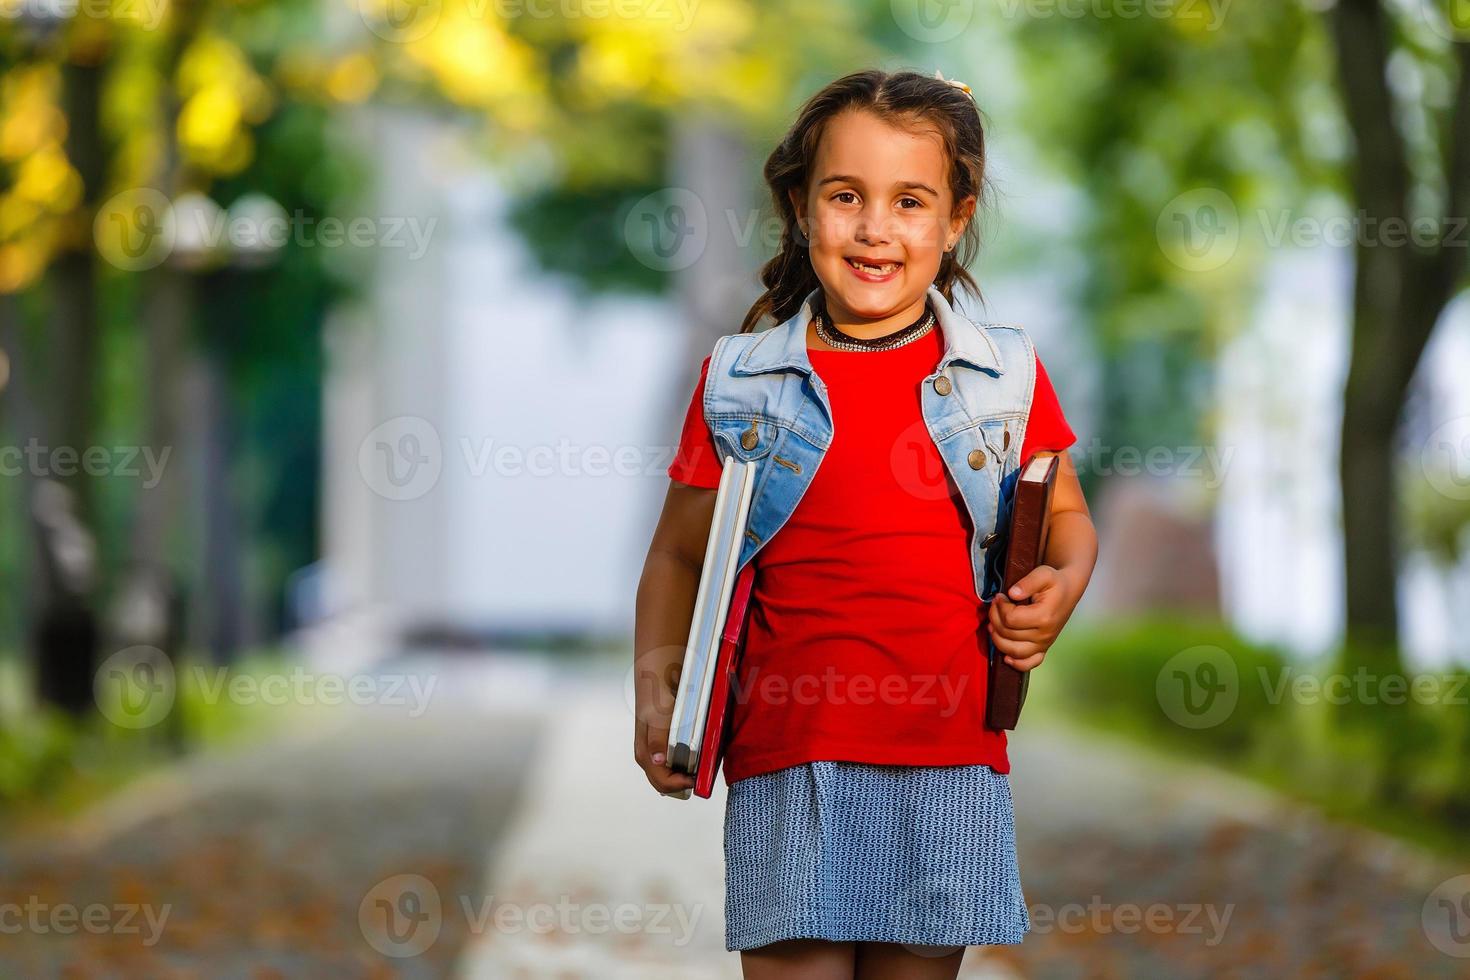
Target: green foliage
1435, 522
53, 763
1236, 99
1112, 674
578, 233
1391, 751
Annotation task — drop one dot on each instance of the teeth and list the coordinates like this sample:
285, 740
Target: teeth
879, 270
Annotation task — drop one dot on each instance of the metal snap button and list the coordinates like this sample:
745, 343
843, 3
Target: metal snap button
942, 385
976, 458
1006, 442
750, 437
989, 539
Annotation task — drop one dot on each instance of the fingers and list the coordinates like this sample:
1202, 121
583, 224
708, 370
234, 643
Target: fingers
666, 781
1027, 663
650, 746
1021, 621
658, 745
1042, 578
1021, 654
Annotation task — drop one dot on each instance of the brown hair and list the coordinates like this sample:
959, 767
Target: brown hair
902, 98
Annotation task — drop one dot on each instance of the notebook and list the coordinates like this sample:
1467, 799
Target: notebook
701, 703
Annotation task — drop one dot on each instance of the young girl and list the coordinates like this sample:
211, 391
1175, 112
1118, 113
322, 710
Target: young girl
869, 829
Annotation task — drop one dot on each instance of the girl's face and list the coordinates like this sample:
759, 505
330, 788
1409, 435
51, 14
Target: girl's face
879, 214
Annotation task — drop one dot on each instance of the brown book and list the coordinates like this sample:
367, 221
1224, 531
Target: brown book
1025, 548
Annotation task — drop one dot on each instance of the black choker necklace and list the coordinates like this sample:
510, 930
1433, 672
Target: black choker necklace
833, 337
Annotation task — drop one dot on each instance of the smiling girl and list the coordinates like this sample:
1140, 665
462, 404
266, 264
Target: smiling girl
869, 829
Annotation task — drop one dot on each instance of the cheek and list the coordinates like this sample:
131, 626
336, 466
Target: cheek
831, 228
926, 235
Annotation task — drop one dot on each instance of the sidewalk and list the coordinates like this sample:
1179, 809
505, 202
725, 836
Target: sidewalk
272, 860
1134, 866
600, 877
506, 833
612, 880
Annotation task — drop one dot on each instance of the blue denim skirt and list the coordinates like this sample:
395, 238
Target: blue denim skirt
853, 851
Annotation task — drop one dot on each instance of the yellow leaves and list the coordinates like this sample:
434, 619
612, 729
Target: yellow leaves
21, 263
353, 78
48, 179
29, 115
210, 119
222, 97
40, 183
613, 66
675, 50
306, 74
473, 59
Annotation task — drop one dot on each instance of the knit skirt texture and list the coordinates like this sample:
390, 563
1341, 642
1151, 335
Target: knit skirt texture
853, 851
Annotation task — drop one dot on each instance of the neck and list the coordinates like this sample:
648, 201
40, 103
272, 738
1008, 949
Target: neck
865, 329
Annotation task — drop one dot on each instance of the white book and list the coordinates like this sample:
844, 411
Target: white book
711, 606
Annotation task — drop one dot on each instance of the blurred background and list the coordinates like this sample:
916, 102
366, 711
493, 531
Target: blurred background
343, 348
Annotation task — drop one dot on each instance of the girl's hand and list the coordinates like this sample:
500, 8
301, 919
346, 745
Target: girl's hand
1024, 631
654, 712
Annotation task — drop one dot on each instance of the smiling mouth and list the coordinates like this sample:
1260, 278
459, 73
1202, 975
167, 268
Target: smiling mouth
873, 270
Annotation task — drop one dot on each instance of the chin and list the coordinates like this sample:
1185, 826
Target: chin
873, 302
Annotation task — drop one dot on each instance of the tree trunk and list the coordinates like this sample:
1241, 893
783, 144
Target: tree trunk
1399, 292
65, 636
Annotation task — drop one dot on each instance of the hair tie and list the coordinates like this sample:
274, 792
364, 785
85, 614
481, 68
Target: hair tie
957, 84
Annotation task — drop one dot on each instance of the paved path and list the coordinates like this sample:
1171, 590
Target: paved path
506, 833
1133, 866
276, 860
1235, 881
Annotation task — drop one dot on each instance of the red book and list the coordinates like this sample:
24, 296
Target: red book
723, 692
702, 701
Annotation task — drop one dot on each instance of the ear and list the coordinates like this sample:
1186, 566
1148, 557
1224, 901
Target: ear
798, 204
964, 210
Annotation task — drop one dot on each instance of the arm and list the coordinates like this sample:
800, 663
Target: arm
665, 608
1024, 631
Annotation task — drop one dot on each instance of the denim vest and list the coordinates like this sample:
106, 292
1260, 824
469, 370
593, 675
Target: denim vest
764, 402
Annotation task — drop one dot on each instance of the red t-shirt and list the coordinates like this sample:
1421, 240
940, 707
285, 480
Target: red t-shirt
866, 641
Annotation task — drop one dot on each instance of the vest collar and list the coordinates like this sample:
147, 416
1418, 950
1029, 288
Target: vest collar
784, 346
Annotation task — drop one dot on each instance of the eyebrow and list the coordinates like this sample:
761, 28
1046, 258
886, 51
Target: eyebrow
907, 185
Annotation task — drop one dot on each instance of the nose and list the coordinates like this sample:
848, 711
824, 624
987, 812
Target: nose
873, 226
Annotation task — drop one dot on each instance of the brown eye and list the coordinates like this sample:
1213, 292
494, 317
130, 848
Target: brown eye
842, 194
